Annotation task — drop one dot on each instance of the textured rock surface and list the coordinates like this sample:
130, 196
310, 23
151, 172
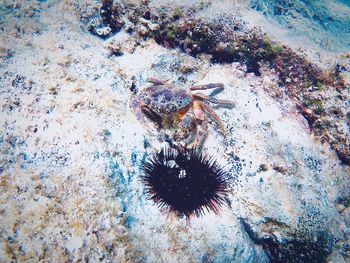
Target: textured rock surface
71, 154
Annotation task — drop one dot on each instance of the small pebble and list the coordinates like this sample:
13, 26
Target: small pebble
340, 208
263, 167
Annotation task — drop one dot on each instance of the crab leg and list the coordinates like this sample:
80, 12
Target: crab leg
213, 100
212, 114
142, 113
201, 123
156, 81
207, 86
202, 131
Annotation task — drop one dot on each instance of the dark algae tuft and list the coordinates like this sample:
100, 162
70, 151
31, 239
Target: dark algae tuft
297, 247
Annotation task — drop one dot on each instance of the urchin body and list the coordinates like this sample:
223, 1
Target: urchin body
173, 107
185, 181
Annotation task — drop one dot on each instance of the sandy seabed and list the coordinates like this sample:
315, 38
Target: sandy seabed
71, 154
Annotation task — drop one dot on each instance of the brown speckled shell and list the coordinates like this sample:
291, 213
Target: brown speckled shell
165, 99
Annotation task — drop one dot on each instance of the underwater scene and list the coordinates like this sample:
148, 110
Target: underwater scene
175, 131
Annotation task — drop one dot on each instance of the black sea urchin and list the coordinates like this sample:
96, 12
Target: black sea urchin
185, 181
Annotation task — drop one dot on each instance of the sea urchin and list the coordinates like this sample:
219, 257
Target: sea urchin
185, 181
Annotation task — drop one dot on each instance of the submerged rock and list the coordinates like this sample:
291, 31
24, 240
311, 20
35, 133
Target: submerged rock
72, 151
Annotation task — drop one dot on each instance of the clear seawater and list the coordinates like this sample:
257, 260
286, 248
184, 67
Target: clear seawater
324, 22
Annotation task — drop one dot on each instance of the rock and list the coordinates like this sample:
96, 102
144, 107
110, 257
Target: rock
340, 208
74, 243
70, 187
263, 167
104, 31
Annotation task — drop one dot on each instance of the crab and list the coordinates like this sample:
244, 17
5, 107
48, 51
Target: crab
169, 106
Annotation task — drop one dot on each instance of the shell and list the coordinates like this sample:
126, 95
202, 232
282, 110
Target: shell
165, 99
